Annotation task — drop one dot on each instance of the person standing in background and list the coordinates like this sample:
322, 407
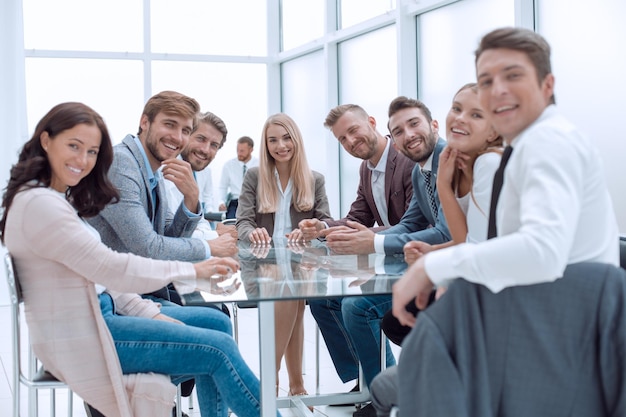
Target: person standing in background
232, 176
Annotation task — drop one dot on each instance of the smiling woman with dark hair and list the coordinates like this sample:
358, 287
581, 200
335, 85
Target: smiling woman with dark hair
91, 337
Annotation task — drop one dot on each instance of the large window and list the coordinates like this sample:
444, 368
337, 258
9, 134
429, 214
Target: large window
78, 25
301, 22
442, 73
367, 77
106, 55
357, 11
209, 27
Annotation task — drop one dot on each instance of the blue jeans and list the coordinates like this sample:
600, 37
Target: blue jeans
351, 328
203, 349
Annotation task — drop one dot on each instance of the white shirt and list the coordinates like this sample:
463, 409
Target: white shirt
203, 230
232, 178
479, 200
282, 217
204, 179
379, 240
554, 210
378, 185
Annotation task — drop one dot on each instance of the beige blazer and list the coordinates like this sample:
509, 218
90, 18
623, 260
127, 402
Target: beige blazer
58, 261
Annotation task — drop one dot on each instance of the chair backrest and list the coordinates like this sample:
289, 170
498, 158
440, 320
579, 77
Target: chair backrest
622, 251
15, 291
37, 377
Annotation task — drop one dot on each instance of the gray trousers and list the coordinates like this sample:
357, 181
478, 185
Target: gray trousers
552, 350
384, 391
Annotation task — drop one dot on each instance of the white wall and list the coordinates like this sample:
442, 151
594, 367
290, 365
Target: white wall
12, 101
589, 63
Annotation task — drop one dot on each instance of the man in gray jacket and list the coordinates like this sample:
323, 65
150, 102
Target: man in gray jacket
141, 222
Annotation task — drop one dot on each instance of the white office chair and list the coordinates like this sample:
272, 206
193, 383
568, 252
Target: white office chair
36, 377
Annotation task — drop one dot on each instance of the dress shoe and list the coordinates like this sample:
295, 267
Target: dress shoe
182, 413
367, 411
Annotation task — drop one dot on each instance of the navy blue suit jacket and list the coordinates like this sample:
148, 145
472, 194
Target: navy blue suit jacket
418, 219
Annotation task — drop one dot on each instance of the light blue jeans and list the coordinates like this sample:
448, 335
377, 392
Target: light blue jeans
203, 349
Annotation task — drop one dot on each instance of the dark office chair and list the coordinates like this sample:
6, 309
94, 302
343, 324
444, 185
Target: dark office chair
622, 251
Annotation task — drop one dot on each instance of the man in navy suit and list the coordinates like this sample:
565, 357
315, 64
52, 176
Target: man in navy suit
351, 326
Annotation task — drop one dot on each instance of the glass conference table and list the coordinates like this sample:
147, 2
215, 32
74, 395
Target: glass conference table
284, 271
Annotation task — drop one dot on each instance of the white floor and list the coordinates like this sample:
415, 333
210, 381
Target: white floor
248, 337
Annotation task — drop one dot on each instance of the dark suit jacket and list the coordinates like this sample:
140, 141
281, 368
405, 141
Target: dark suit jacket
418, 219
398, 192
248, 218
556, 349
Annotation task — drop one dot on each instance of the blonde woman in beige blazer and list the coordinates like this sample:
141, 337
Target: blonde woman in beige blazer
274, 198
59, 180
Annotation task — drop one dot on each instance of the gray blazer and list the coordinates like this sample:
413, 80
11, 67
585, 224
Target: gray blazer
418, 219
133, 225
248, 218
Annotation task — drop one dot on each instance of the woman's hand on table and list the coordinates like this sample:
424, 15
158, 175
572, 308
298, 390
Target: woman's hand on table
295, 237
311, 228
260, 236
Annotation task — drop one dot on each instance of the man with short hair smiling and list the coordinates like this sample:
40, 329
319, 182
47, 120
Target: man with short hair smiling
536, 325
141, 222
358, 319
416, 135
203, 145
384, 193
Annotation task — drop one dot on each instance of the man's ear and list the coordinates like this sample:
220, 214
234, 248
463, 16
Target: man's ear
435, 127
493, 135
547, 87
372, 121
144, 123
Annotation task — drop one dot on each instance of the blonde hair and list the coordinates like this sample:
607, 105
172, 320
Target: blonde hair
299, 171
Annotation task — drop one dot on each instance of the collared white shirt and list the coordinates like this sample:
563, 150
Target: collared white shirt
378, 184
204, 179
203, 230
379, 240
232, 178
282, 217
554, 210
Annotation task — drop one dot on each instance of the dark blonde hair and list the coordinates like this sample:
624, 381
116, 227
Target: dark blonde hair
171, 102
213, 120
299, 171
335, 113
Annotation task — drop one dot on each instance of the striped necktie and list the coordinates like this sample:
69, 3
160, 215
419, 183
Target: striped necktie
431, 193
